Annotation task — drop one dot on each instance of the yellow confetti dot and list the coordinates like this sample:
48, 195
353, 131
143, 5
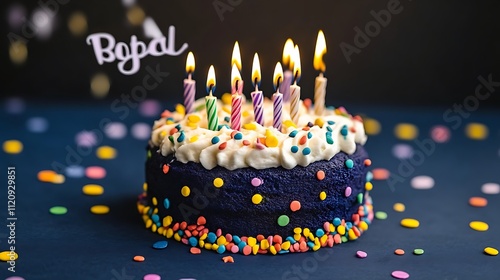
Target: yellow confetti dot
194, 118
193, 139
58, 179
491, 251
406, 131
99, 85
319, 122
476, 131
145, 187
179, 108
154, 200
167, 221
245, 114
12, 146
368, 186
93, 189
271, 141
77, 23
256, 198
250, 126
478, 225
218, 182
289, 123
372, 126
185, 191
106, 152
135, 15
410, 223
226, 98
99, 209
399, 207
18, 52
6, 256
322, 195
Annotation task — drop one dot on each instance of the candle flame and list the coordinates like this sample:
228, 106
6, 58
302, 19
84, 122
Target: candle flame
236, 57
211, 80
296, 64
278, 76
190, 65
256, 71
235, 75
318, 63
287, 53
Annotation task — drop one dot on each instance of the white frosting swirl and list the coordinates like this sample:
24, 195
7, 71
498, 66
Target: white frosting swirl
193, 141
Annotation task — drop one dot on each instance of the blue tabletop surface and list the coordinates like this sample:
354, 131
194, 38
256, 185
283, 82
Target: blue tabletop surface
82, 245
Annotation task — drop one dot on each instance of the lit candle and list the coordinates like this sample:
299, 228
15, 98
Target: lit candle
288, 76
236, 59
295, 89
211, 101
320, 82
257, 96
189, 84
235, 99
277, 97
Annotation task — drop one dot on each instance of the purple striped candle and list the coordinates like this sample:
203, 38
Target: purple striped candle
285, 85
277, 110
258, 110
189, 93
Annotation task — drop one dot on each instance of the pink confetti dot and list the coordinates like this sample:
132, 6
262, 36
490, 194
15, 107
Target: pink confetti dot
14, 278
402, 151
152, 277
256, 182
115, 130
95, 172
86, 138
150, 108
440, 134
490, 188
422, 182
361, 254
141, 131
398, 274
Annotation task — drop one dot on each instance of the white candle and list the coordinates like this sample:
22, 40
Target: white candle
320, 82
287, 81
295, 89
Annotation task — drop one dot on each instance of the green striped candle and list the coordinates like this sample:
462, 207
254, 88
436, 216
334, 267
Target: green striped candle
211, 101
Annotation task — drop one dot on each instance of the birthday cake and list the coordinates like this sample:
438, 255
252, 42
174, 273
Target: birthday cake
257, 189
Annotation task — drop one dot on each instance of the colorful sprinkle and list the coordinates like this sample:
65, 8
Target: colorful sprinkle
151, 277
368, 186
195, 251
58, 210
86, 139
95, 172
406, 131
478, 225
99, 209
476, 131
228, 259
402, 151
218, 182
106, 152
93, 189
349, 163
302, 140
215, 140
150, 108
47, 176
440, 134
361, 254
399, 207
238, 136
74, 171
295, 205
399, 274
283, 220
344, 131
322, 195
115, 130
294, 149
380, 215
6, 256
359, 198
257, 199
141, 131
139, 258
410, 223
165, 168
162, 244
12, 146
491, 251
372, 126
37, 125
348, 192
15, 278
166, 203
185, 191
490, 188
399, 252
478, 201
272, 141
422, 182
367, 162
306, 151
320, 175
256, 182
380, 174
293, 133
418, 251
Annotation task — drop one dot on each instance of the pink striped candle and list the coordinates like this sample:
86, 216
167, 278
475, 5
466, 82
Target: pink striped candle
236, 111
189, 84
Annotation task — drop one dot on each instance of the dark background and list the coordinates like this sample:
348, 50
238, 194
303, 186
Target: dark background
432, 52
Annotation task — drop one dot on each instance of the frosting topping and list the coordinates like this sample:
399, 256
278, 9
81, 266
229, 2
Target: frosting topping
314, 138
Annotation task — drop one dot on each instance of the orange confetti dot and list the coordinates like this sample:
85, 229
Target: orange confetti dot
303, 140
320, 175
195, 251
399, 252
166, 168
380, 174
139, 258
477, 201
47, 176
227, 259
295, 205
201, 220
368, 162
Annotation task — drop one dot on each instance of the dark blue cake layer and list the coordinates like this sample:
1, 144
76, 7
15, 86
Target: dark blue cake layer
230, 207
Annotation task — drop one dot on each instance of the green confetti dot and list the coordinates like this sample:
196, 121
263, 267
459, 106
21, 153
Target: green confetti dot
283, 220
58, 210
380, 215
418, 251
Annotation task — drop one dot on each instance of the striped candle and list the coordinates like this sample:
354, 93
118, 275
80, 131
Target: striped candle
285, 85
189, 93
258, 110
236, 111
211, 105
294, 103
277, 110
319, 94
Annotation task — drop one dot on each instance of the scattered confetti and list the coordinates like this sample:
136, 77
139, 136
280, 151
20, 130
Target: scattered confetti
150, 108
476, 131
162, 244
99, 209
15, 278
6, 256
86, 138
115, 130
478, 225
50, 176
402, 151
77, 23
295, 205
399, 252
58, 210
141, 131
491, 251
372, 126
106, 152
74, 171
227, 259
92, 189
12, 146
422, 182
139, 258
418, 251
490, 188
410, 223
399, 274
440, 134
99, 85
406, 131
399, 207
15, 106
361, 254
477, 201
195, 251
380, 174
151, 277
380, 215
95, 172
37, 125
